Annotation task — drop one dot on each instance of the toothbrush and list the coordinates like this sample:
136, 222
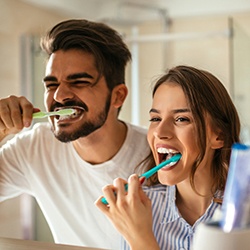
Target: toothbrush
152, 171
60, 112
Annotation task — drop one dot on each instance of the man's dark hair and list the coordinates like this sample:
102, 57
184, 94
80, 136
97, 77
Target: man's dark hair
110, 52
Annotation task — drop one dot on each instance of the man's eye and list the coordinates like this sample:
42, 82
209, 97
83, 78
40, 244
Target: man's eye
50, 86
86, 83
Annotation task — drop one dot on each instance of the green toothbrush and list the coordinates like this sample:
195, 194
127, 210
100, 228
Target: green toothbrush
60, 112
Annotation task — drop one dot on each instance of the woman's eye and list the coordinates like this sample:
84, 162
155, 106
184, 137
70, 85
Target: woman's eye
154, 119
182, 119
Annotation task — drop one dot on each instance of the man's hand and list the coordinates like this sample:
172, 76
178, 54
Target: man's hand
15, 114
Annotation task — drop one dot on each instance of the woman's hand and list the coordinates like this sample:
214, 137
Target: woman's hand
130, 212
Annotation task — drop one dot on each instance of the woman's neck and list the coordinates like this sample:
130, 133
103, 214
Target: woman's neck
192, 204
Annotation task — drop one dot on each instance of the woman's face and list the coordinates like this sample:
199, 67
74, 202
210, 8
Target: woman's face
172, 130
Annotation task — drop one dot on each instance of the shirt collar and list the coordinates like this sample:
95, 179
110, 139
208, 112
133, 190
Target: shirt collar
170, 211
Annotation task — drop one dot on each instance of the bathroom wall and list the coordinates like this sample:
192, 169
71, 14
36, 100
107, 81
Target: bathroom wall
197, 45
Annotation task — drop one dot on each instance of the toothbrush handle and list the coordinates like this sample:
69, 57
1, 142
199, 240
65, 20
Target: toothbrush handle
39, 115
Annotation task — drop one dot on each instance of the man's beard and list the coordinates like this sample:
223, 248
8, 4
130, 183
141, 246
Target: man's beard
88, 127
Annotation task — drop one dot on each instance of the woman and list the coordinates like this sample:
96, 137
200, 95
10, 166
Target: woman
192, 114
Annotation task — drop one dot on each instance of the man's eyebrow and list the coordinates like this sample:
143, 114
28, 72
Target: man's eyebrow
49, 79
175, 111
69, 77
79, 75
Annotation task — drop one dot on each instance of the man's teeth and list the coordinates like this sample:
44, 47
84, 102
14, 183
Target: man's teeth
74, 115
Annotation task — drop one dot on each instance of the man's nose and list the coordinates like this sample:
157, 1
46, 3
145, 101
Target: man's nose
63, 93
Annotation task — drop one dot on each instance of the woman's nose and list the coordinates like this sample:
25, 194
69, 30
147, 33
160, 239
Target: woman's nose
163, 131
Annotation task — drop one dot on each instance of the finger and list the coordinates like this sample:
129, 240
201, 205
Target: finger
11, 111
142, 179
36, 110
120, 185
135, 189
133, 183
27, 110
109, 192
6, 120
144, 198
104, 208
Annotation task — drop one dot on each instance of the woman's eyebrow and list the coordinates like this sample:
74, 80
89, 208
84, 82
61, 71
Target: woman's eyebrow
183, 110
175, 111
153, 111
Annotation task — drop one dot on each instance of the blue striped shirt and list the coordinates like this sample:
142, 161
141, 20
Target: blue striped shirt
172, 232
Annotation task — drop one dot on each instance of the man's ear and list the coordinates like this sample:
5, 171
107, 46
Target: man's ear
218, 140
119, 95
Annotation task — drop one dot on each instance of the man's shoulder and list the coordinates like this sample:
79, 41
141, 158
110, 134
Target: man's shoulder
41, 130
42, 127
136, 129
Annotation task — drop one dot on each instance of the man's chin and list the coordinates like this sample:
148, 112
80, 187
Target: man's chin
66, 137
68, 133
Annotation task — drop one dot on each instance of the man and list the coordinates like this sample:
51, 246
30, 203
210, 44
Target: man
65, 172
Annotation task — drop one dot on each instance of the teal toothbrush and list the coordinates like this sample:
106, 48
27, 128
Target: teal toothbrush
60, 112
152, 171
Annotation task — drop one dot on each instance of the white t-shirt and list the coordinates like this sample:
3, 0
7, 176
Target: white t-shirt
64, 185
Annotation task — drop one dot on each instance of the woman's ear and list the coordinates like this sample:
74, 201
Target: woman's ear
119, 95
218, 140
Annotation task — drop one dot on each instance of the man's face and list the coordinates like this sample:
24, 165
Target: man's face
72, 80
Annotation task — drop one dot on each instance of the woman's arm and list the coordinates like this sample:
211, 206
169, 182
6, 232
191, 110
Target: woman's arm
130, 212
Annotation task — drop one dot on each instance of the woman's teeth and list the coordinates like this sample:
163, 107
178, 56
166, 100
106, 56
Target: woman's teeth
166, 153
170, 164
